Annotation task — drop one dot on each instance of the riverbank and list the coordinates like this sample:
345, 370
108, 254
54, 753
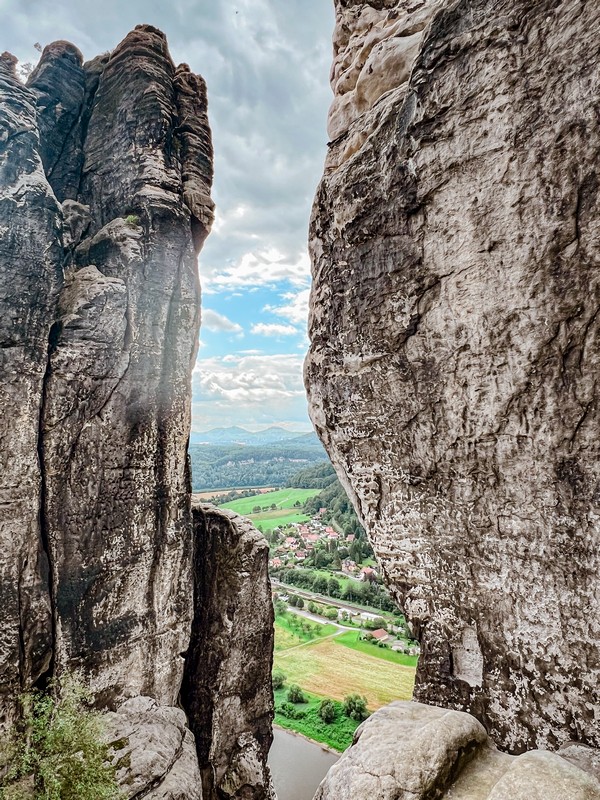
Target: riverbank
335, 736
321, 745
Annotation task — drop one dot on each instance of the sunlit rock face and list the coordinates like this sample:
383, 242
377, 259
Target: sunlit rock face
452, 373
411, 751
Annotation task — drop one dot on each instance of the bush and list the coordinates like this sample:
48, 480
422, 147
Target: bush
355, 707
278, 678
289, 711
132, 220
280, 608
56, 751
295, 694
331, 613
327, 711
312, 607
300, 603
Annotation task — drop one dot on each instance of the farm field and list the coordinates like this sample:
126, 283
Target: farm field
331, 670
288, 635
283, 514
282, 498
351, 640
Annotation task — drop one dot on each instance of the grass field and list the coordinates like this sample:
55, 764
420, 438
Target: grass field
328, 669
282, 498
288, 634
337, 734
351, 640
283, 514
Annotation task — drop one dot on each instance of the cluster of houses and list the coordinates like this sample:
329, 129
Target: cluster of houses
297, 546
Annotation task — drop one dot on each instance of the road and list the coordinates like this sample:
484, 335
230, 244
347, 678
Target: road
328, 600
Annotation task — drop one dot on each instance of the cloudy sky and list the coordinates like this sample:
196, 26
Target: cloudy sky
266, 63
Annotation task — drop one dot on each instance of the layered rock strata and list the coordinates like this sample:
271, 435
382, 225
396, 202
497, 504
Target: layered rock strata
105, 176
455, 342
410, 751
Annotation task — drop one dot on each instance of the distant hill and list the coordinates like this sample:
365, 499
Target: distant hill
255, 463
236, 435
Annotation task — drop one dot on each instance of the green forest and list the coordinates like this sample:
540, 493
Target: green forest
217, 466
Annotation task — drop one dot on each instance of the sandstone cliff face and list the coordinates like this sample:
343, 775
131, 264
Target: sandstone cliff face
31, 258
117, 390
410, 751
455, 342
105, 177
227, 681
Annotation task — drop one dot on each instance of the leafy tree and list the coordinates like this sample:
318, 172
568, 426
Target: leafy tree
327, 711
322, 559
355, 707
312, 607
294, 600
280, 608
331, 613
295, 694
256, 509
320, 584
300, 603
278, 678
56, 752
334, 588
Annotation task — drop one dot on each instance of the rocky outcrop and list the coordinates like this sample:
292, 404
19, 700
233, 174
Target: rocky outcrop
455, 342
105, 172
227, 684
117, 390
153, 751
410, 751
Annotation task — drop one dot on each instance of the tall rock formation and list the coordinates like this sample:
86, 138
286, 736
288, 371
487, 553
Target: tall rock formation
31, 257
455, 344
105, 178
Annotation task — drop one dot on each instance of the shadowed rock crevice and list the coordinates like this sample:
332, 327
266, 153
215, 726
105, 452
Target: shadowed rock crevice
227, 678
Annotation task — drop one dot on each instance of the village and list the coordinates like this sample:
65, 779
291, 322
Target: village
295, 555
311, 536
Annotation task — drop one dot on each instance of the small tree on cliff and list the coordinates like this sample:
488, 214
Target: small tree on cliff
56, 751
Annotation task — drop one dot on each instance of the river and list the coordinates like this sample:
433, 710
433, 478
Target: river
297, 765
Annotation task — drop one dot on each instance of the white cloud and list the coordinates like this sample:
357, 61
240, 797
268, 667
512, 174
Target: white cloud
296, 308
273, 329
249, 389
266, 267
218, 323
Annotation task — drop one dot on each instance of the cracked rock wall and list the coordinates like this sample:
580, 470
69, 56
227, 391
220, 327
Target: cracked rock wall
452, 373
105, 178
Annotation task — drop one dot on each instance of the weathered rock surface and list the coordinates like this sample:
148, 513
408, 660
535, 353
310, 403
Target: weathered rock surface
30, 278
410, 751
227, 682
117, 393
154, 751
105, 179
452, 374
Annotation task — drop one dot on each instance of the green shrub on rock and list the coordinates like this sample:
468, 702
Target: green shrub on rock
56, 750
